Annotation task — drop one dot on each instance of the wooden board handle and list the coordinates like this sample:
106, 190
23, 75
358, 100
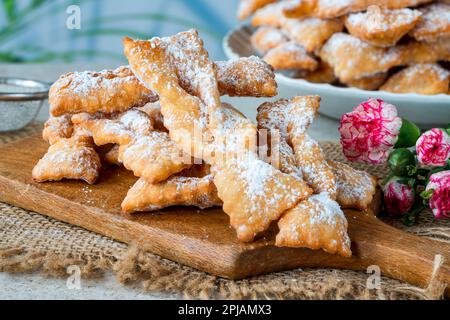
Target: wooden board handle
399, 255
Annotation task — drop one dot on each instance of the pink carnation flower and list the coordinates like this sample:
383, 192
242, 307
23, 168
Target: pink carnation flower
433, 148
440, 200
398, 197
370, 131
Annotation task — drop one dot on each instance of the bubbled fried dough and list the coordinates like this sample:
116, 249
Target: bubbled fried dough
311, 33
254, 194
382, 27
251, 77
266, 38
435, 23
311, 161
105, 91
421, 78
323, 74
369, 83
355, 188
353, 59
248, 7
414, 52
56, 128
316, 223
113, 91
69, 158
290, 56
270, 15
184, 113
337, 8
149, 154
180, 190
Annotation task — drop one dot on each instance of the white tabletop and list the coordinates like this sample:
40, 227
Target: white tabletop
36, 286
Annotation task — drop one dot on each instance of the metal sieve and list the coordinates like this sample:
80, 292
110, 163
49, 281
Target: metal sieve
20, 102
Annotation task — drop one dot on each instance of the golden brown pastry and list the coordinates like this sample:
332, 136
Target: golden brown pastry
353, 59
250, 77
184, 114
270, 15
369, 83
149, 154
266, 38
243, 181
323, 74
254, 194
185, 189
316, 223
355, 188
382, 27
420, 78
112, 156
248, 7
56, 128
311, 33
69, 158
105, 91
435, 23
289, 56
336, 8
415, 52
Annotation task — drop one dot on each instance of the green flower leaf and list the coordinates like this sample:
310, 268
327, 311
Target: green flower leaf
409, 133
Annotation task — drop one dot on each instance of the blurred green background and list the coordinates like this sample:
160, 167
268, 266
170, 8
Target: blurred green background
36, 30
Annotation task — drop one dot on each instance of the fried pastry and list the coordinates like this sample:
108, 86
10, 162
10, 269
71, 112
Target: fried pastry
247, 7
270, 15
266, 38
112, 156
149, 154
435, 23
153, 111
316, 223
289, 56
311, 33
323, 74
415, 52
254, 194
112, 91
420, 78
312, 163
369, 83
297, 115
105, 91
179, 190
57, 128
336, 8
353, 59
251, 77
292, 118
355, 188
69, 158
382, 27
185, 115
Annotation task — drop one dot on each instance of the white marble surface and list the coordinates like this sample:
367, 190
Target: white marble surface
36, 286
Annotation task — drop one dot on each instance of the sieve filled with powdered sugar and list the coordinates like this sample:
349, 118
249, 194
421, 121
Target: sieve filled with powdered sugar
20, 102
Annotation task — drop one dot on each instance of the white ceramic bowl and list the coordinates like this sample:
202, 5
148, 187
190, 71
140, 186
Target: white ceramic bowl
424, 110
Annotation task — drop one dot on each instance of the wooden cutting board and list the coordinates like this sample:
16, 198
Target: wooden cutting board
203, 239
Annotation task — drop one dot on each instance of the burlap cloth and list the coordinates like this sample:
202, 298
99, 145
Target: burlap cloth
30, 242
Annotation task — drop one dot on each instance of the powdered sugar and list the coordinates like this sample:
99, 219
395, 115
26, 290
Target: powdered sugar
377, 19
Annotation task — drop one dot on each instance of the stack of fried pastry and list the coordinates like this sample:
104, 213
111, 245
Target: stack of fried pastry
162, 118
400, 46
